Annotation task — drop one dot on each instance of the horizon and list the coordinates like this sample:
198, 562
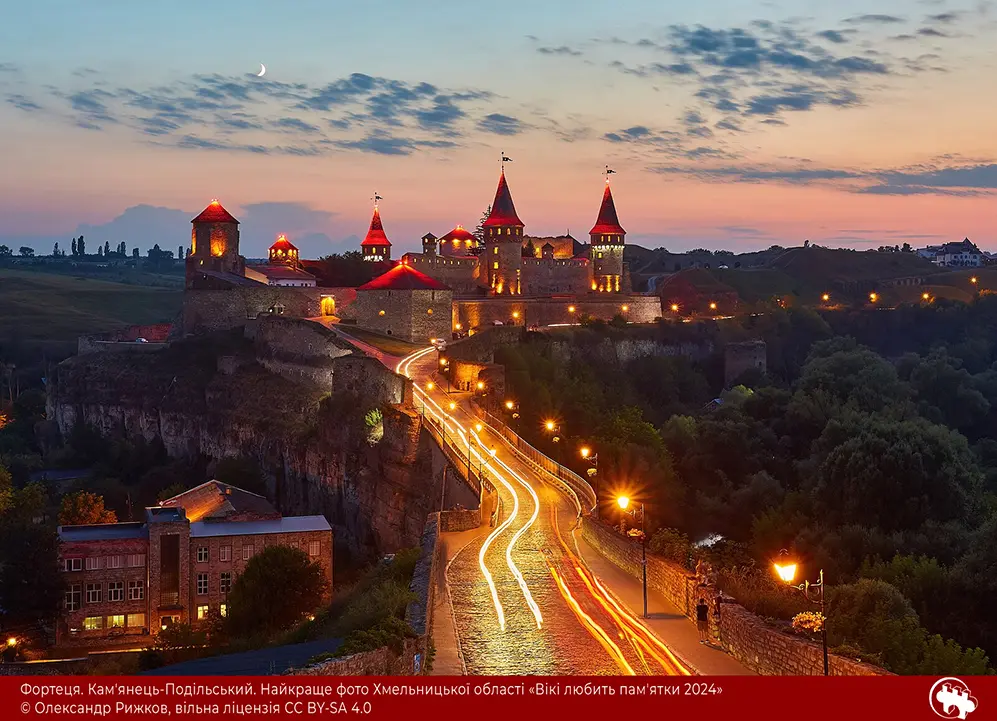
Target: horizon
729, 127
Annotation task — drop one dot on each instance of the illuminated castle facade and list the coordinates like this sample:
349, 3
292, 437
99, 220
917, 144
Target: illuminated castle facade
507, 262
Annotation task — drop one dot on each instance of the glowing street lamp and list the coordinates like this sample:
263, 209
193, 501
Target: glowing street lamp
453, 406
481, 385
585, 452
925, 296
785, 567
713, 306
675, 307
873, 297
12, 641
430, 386
624, 503
510, 405
974, 280
826, 297
624, 308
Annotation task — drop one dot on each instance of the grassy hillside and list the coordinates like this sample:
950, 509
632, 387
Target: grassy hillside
41, 314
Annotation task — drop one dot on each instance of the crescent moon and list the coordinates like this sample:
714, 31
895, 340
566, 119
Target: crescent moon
263, 71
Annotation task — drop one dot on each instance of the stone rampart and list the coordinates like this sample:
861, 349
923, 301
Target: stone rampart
453, 521
379, 662
761, 648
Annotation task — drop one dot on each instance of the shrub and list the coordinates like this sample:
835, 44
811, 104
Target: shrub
671, 544
391, 631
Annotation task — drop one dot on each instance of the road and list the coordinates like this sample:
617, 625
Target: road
524, 603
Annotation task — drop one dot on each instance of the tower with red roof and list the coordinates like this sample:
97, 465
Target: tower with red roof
283, 252
503, 256
214, 243
376, 247
607, 242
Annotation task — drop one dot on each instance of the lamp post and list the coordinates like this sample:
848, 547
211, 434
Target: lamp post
477, 428
785, 568
593, 472
445, 365
624, 503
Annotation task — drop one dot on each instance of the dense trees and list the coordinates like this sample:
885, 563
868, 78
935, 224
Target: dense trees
83, 507
278, 587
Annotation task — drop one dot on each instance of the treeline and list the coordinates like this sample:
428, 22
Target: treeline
875, 462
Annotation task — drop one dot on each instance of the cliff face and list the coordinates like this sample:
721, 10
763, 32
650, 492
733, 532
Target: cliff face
313, 448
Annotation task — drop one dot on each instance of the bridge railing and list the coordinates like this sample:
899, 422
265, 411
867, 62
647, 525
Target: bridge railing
581, 488
449, 443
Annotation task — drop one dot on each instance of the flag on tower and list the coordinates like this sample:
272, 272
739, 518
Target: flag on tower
506, 158
377, 197
609, 171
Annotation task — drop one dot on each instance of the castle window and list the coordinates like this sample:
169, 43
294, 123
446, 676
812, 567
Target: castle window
136, 560
380, 312
114, 561
225, 553
495, 265
225, 581
495, 251
313, 548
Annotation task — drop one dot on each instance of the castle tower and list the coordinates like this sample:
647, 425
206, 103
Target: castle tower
503, 256
282, 252
214, 243
376, 246
429, 242
607, 240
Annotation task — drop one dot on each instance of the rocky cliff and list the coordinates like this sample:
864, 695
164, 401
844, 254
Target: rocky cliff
313, 446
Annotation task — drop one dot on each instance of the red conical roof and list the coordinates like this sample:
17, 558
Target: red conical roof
458, 233
376, 236
215, 213
403, 277
607, 222
503, 209
282, 243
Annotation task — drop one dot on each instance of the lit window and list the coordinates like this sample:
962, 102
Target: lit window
313, 548
136, 590
202, 584
202, 554
136, 620
73, 564
495, 250
94, 592
380, 312
429, 311
116, 591
495, 265
93, 623
223, 610
93, 563
225, 553
117, 621
202, 613
225, 581
74, 596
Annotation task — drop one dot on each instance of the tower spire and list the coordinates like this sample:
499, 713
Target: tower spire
504, 159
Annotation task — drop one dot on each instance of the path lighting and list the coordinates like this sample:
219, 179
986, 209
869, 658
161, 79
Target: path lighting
481, 385
624, 308
713, 306
826, 297
925, 296
12, 641
430, 386
510, 405
785, 567
453, 406
585, 452
974, 280
624, 503
571, 309
873, 297
550, 425
675, 307
515, 314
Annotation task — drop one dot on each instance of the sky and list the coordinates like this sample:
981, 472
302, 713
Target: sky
729, 125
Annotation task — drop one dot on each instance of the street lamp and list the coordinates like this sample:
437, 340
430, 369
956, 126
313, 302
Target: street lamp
826, 297
675, 307
445, 365
873, 297
785, 568
481, 385
592, 458
624, 503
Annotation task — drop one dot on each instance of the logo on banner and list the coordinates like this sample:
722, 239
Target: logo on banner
950, 698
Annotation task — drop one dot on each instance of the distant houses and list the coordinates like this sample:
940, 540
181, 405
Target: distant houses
961, 254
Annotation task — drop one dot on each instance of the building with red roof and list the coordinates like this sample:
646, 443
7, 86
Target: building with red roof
405, 303
503, 231
214, 246
284, 267
458, 243
376, 246
607, 242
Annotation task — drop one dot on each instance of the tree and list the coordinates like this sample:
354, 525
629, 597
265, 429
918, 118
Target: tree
73, 248
279, 586
479, 231
5, 251
84, 508
107, 248
31, 586
55, 250
81, 245
26, 252
6, 491
135, 253
100, 252
180, 252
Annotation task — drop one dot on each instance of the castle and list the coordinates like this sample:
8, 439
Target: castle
457, 284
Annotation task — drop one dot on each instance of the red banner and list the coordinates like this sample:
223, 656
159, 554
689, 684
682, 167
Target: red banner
510, 698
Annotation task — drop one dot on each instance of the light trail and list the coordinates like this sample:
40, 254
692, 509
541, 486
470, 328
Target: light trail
486, 462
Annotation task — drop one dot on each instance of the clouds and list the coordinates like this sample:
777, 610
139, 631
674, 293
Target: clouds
248, 114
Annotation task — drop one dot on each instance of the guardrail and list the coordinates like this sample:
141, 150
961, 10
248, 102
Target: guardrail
452, 452
578, 486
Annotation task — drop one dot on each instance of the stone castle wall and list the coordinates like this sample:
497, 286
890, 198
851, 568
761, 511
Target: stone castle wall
742, 357
460, 274
745, 636
552, 311
379, 662
297, 349
548, 276
211, 310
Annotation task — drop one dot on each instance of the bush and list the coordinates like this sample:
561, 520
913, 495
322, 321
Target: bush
391, 631
671, 544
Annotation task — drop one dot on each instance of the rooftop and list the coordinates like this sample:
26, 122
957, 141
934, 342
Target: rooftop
376, 235
215, 213
289, 524
282, 243
503, 209
102, 532
403, 277
214, 501
282, 272
459, 233
607, 222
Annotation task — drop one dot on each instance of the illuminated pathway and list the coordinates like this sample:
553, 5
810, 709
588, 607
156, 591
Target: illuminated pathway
523, 601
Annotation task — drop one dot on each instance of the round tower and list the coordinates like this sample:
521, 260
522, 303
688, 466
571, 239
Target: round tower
607, 241
503, 256
214, 242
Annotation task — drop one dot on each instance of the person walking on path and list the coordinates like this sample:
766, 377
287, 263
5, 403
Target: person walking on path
703, 620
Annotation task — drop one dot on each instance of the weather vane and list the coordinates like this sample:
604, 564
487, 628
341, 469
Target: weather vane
377, 197
609, 171
505, 159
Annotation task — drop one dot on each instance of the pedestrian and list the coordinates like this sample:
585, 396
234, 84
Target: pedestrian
703, 620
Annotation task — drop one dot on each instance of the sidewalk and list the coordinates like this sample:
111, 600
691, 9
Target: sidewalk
666, 621
448, 660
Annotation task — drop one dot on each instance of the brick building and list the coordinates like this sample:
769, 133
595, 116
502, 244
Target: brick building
404, 303
177, 566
